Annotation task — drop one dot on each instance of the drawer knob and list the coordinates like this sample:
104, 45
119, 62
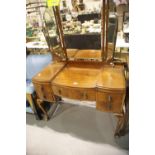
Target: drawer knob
109, 104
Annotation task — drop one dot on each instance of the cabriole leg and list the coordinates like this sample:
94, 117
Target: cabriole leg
122, 124
39, 102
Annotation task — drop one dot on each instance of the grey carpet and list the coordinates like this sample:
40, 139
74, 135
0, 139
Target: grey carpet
75, 130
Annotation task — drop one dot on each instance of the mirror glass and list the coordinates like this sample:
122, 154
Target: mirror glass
52, 34
82, 32
82, 35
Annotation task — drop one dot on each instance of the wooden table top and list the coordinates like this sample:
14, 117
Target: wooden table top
96, 54
77, 75
48, 72
90, 76
111, 78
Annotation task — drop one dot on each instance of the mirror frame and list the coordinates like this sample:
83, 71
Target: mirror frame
104, 33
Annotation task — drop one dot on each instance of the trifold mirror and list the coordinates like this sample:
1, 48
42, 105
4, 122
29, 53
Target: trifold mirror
53, 31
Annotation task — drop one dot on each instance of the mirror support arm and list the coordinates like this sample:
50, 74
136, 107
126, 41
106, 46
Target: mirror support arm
107, 23
104, 28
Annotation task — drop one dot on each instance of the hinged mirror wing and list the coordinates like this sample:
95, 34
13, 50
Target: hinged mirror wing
53, 33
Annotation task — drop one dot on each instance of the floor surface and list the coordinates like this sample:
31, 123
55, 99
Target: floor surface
75, 130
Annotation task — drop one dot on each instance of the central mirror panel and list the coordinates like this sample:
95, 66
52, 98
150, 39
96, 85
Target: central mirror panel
75, 39
82, 32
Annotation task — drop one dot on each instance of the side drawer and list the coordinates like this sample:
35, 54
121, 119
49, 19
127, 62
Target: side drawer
110, 101
75, 93
44, 91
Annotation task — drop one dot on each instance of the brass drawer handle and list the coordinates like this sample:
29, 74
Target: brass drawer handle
109, 104
44, 96
42, 88
59, 91
109, 98
85, 95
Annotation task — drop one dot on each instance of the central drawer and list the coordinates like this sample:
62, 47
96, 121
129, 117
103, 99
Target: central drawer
87, 94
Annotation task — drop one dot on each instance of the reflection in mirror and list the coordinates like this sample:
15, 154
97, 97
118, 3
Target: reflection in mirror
52, 34
85, 35
84, 44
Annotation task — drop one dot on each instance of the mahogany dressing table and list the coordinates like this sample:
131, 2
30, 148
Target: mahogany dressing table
89, 75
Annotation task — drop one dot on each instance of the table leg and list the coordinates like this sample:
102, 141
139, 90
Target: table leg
39, 102
122, 124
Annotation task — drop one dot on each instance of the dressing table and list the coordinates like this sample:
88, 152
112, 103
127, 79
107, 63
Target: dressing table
89, 75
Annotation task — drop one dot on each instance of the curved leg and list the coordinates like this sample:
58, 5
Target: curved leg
123, 118
122, 124
39, 102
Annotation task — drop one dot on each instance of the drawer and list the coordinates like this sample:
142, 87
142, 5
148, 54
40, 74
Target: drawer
75, 93
44, 92
110, 101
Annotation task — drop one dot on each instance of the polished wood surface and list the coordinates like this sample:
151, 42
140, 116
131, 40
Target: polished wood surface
44, 91
98, 82
110, 101
82, 79
88, 54
48, 72
71, 53
90, 81
112, 78
81, 75
75, 93
91, 54
89, 75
